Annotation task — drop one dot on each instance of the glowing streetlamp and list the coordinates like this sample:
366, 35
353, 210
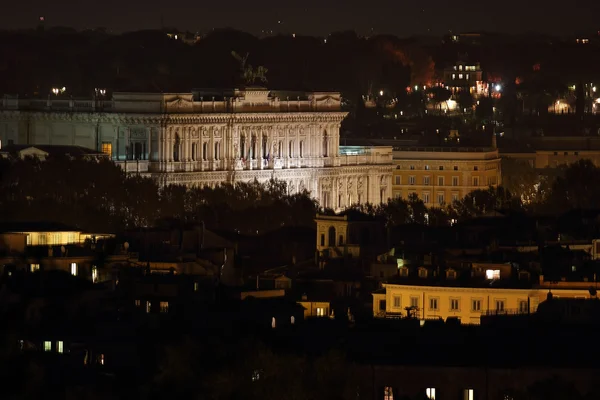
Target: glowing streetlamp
381, 92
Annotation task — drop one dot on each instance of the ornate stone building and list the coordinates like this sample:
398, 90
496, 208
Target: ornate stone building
208, 137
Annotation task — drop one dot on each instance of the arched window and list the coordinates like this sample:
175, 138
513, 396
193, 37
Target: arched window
301, 144
331, 236
176, 147
325, 145
243, 146
217, 150
265, 148
205, 151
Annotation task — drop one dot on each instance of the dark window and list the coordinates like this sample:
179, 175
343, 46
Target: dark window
381, 305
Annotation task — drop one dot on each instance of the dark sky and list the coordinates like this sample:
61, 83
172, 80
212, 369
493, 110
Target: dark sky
401, 17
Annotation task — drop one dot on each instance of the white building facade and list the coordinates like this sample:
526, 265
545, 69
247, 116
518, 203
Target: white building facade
210, 137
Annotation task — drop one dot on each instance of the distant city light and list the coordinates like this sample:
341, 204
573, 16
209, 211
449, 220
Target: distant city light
416, 87
498, 88
594, 89
381, 92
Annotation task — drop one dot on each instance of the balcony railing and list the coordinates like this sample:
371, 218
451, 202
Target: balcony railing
512, 311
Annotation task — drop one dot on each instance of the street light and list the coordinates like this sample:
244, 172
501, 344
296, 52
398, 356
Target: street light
381, 92
498, 88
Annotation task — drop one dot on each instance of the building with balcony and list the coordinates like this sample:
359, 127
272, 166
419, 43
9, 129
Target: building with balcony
441, 175
486, 289
208, 137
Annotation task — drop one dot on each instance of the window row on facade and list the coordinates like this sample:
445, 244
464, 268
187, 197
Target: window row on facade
434, 303
441, 180
389, 393
428, 167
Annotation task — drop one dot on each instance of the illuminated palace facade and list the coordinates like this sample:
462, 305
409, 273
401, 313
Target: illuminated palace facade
208, 137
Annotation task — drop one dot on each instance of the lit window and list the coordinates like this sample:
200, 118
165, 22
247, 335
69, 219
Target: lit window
492, 274
195, 286
433, 303
74, 269
34, 267
430, 393
59, 346
454, 305
148, 307
460, 76
56, 239
273, 323
321, 312
453, 76
500, 305
138, 303
469, 394
476, 305
523, 306
47, 345
101, 359
422, 273
388, 393
164, 306
292, 320
94, 274
414, 302
28, 240
107, 148
397, 301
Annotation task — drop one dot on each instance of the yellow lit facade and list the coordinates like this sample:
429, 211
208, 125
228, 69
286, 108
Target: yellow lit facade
441, 175
59, 238
315, 308
464, 303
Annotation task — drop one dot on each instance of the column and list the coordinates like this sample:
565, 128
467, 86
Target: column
260, 148
149, 144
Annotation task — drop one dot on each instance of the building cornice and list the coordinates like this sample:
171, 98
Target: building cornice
173, 118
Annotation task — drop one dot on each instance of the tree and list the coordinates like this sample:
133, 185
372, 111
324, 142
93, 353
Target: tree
575, 189
439, 95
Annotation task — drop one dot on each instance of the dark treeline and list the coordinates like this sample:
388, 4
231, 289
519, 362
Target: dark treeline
525, 190
36, 61
100, 196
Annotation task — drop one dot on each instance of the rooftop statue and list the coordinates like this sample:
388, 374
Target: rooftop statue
249, 74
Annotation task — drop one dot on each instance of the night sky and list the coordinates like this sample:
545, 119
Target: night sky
404, 18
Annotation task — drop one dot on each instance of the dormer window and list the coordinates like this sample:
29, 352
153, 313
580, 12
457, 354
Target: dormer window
403, 271
492, 274
422, 272
450, 274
